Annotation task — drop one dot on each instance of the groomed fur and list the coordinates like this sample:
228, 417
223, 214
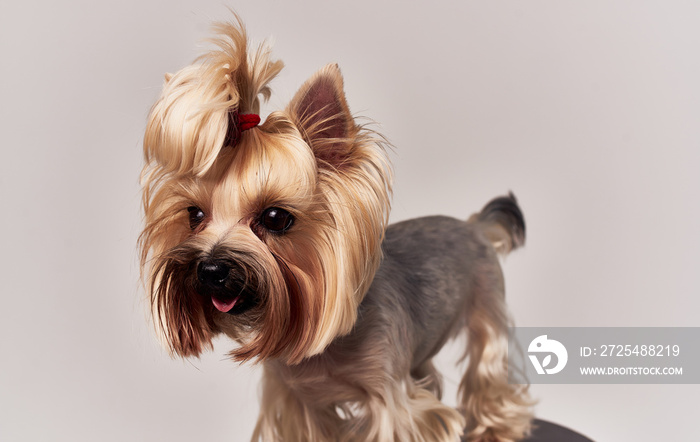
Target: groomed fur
501, 410
344, 311
347, 194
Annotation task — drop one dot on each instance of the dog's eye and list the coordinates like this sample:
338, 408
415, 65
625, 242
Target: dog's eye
196, 216
276, 220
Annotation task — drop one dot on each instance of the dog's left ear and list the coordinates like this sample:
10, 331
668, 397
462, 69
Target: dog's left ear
321, 113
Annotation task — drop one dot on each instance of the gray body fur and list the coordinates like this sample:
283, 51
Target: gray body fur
431, 267
435, 272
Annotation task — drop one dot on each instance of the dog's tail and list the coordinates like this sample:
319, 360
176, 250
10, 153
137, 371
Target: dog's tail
503, 223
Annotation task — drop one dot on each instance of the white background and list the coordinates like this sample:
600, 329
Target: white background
587, 110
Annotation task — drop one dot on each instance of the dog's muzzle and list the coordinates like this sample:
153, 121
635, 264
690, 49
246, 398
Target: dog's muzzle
227, 285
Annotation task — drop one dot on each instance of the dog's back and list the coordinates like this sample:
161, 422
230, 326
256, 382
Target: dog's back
441, 276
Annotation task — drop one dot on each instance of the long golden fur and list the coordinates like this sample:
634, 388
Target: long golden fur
299, 291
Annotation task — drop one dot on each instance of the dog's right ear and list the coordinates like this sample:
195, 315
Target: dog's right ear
320, 111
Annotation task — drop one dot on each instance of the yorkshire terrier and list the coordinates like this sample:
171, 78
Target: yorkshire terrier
276, 235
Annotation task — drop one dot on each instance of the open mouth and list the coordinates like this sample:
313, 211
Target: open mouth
233, 303
225, 305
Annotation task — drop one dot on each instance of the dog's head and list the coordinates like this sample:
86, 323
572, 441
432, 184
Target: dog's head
269, 234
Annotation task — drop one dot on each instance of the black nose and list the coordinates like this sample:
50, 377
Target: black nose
213, 273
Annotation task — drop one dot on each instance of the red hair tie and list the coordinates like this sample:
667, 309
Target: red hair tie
238, 123
248, 121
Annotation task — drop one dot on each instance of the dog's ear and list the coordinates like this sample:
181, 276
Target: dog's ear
321, 113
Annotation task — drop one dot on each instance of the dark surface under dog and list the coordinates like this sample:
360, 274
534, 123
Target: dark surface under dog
543, 431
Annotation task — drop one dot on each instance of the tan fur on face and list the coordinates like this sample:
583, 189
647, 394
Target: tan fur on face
341, 204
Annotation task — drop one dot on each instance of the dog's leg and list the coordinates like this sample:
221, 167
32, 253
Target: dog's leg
434, 420
404, 411
427, 376
284, 417
494, 409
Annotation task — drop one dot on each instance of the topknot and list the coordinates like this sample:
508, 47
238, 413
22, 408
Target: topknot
187, 125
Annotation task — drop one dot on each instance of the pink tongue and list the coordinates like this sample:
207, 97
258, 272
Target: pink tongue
224, 306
